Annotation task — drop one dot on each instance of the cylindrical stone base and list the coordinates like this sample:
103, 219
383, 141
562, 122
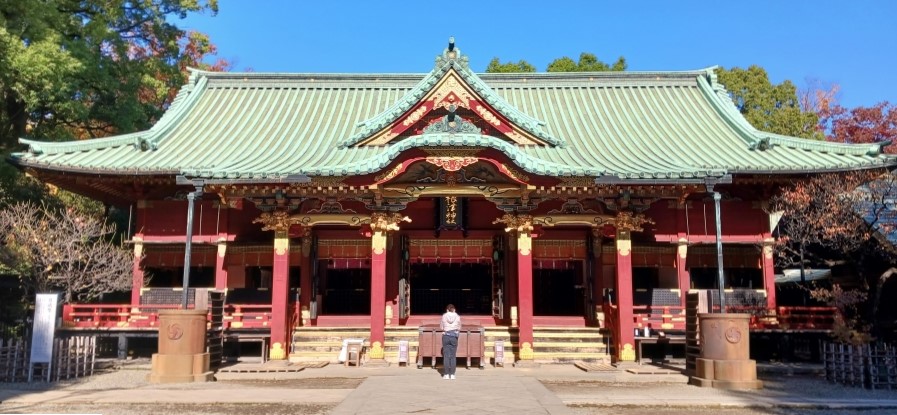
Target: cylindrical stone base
725, 353
182, 353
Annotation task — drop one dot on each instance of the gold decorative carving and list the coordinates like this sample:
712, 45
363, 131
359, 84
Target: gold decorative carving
281, 243
524, 244
452, 151
452, 163
378, 242
628, 353
519, 138
488, 116
275, 221
624, 246
627, 221
451, 92
377, 350
415, 116
385, 222
451, 210
277, 352
390, 174
514, 174
578, 181
516, 223
682, 249
526, 351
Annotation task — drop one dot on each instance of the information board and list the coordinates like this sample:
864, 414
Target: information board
44, 328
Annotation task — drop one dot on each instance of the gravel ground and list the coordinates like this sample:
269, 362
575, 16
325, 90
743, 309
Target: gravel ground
132, 375
804, 386
169, 409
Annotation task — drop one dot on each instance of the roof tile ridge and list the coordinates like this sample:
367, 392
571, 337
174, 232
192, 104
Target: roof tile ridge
685, 74
518, 117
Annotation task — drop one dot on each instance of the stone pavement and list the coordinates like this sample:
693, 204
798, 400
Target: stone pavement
548, 389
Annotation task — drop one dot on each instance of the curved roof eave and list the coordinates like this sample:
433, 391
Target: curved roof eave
718, 97
186, 97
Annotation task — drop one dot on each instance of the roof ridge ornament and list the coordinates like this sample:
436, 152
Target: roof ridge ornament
452, 56
452, 124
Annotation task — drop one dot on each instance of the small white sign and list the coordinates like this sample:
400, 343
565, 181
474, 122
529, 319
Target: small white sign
44, 328
403, 351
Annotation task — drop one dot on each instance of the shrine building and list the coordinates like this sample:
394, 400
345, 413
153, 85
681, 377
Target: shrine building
544, 206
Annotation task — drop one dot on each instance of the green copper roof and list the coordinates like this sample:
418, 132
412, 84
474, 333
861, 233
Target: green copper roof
623, 125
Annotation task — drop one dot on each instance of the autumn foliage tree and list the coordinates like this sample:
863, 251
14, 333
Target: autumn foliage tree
841, 218
89, 68
63, 249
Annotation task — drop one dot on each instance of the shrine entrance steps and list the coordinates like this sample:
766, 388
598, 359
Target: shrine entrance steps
570, 344
552, 344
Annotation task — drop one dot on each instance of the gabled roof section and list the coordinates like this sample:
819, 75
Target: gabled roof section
451, 84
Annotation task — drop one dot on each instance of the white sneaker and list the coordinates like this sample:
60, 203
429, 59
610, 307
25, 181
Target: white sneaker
445, 376
452, 377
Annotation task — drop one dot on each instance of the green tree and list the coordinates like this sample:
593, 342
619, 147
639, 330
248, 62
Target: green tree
495, 66
768, 107
588, 62
88, 68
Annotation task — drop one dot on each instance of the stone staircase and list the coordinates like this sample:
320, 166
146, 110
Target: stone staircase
570, 344
552, 344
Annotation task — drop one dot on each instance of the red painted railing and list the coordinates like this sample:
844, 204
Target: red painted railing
784, 318
255, 316
236, 316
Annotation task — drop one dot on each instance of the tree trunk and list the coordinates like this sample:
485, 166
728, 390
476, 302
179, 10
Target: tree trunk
18, 120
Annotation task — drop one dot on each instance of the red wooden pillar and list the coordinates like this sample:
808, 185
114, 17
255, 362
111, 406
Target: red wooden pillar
626, 325
279, 294
220, 260
598, 279
221, 266
769, 272
681, 271
305, 279
137, 274
378, 293
525, 293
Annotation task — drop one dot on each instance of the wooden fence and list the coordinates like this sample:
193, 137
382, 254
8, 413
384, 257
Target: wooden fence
869, 366
13, 360
73, 357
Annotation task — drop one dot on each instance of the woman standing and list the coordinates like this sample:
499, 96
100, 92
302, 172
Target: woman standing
451, 329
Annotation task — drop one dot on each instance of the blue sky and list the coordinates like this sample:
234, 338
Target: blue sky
849, 43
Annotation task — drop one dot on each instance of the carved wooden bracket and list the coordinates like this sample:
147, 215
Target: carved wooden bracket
385, 222
516, 223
